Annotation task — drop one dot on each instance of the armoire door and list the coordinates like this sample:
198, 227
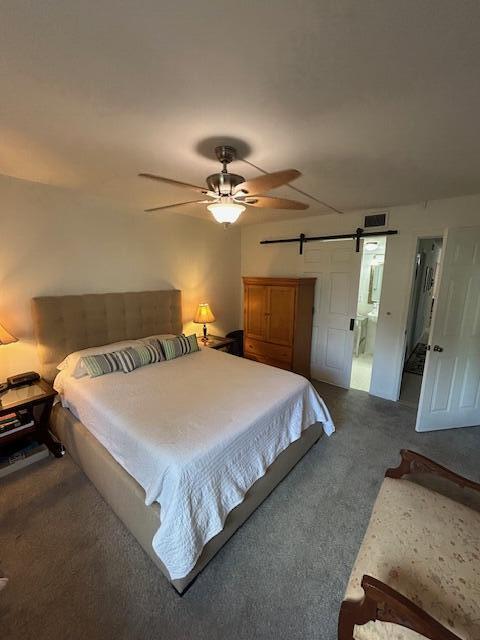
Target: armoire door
281, 314
256, 305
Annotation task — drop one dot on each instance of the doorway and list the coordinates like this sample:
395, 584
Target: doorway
365, 322
422, 302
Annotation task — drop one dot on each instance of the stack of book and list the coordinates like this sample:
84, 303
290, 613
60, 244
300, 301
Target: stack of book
13, 422
19, 454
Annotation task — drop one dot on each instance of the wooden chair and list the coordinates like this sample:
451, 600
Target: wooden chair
381, 601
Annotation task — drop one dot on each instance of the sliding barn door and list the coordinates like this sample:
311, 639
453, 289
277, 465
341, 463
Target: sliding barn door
450, 394
336, 266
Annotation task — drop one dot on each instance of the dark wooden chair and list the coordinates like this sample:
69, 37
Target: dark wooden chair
382, 602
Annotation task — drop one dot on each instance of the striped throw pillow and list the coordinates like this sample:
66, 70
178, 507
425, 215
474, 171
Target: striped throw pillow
179, 346
101, 364
135, 357
155, 342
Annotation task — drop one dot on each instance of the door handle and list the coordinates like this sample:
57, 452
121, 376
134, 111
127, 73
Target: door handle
352, 324
438, 348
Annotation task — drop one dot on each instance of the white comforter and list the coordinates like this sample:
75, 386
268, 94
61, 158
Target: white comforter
196, 433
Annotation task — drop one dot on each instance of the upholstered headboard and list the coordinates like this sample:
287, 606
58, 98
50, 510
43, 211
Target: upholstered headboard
64, 324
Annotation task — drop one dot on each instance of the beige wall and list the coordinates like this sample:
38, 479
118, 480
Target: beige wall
411, 221
56, 241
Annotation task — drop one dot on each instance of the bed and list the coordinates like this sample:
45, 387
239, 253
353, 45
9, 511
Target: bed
207, 436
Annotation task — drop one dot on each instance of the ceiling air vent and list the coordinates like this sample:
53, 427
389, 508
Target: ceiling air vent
376, 220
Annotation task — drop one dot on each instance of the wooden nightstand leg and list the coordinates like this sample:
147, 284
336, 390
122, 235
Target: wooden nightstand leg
46, 437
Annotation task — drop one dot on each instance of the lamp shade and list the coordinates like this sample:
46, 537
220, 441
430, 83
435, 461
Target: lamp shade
204, 314
226, 212
5, 337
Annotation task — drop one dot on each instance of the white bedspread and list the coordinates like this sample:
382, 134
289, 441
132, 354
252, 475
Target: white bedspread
196, 433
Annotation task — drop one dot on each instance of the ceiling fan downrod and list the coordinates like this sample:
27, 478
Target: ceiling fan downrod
224, 183
225, 155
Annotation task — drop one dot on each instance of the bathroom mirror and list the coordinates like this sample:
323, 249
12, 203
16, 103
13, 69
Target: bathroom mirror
376, 276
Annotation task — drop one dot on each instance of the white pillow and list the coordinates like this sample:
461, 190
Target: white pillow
72, 365
159, 336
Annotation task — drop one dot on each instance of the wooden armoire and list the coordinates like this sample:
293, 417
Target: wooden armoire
278, 314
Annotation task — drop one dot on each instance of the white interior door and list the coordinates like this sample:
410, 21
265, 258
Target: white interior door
450, 394
336, 266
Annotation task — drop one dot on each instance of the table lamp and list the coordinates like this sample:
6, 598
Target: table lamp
5, 338
204, 314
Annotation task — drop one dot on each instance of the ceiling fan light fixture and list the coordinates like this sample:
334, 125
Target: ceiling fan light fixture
230, 193
226, 212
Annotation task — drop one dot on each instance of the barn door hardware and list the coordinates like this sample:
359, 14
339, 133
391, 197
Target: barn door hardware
357, 236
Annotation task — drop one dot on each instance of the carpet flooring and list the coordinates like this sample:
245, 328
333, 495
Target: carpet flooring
76, 572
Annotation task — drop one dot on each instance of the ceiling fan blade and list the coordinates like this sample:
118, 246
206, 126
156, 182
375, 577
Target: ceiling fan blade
269, 181
266, 202
176, 183
178, 204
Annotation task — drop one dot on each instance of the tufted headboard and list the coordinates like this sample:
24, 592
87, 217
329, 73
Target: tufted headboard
64, 324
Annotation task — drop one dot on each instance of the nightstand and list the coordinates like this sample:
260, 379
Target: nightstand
217, 342
35, 401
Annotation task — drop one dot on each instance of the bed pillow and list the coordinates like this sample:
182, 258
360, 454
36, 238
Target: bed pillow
156, 338
138, 356
155, 342
72, 365
179, 346
101, 363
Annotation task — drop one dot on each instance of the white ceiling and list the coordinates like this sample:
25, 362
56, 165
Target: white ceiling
376, 102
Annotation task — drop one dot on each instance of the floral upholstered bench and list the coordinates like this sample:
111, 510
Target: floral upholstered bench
417, 574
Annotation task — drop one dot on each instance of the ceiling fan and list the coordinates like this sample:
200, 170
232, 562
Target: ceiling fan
229, 194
